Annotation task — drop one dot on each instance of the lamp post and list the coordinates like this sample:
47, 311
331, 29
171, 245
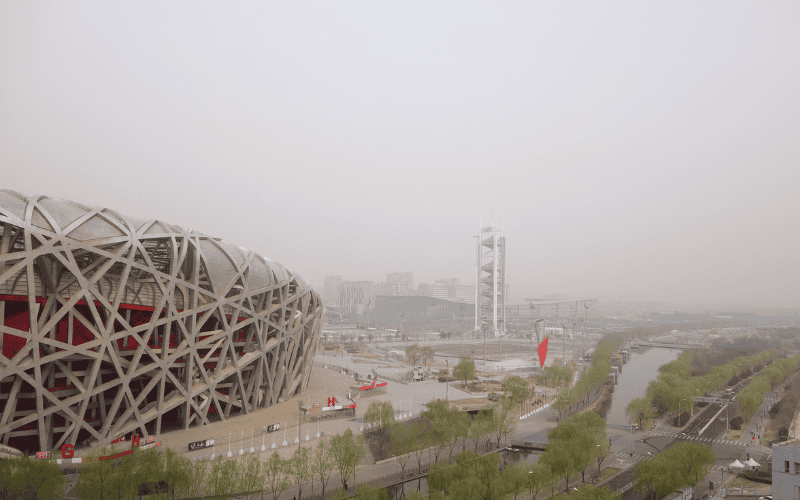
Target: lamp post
679, 411
631, 439
727, 420
299, 424
447, 382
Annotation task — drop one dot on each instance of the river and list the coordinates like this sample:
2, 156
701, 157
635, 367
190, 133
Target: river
637, 373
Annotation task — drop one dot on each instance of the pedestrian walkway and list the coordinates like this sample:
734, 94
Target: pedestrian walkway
537, 410
698, 439
753, 427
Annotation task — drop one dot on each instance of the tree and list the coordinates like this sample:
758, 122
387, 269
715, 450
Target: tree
486, 469
24, 478
457, 428
558, 458
347, 453
300, 468
480, 427
439, 477
250, 479
403, 442
551, 478
502, 419
516, 478
583, 452
322, 464
519, 389
640, 409
656, 476
368, 492
587, 492
692, 460
382, 414
127, 476
464, 370
223, 476
340, 495
275, 475
198, 474
468, 488
563, 401
95, 480
438, 418
601, 452
413, 354
418, 437
537, 478
178, 472
426, 353
415, 495
149, 466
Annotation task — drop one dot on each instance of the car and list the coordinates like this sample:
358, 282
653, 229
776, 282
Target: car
768, 497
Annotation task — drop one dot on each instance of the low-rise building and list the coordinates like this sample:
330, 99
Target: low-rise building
786, 470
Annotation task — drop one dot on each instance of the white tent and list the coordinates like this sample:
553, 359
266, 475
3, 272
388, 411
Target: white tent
752, 463
736, 464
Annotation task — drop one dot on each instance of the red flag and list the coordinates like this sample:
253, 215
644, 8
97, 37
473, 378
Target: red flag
543, 351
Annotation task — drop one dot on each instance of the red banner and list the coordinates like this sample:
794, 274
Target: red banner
543, 352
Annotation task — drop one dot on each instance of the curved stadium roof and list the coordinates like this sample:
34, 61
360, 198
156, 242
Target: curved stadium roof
133, 323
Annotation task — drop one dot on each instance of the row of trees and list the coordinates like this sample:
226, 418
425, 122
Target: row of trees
591, 379
680, 465
441, 428
675, 387
573, 445
751, 397
168, 475
557, 374
417, 354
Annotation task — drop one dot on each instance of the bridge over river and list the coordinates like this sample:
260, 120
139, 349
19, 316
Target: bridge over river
667, 345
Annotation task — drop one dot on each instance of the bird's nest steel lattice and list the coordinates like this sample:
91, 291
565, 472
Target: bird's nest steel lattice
114, 325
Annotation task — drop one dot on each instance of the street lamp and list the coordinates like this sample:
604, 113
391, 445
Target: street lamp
679, 411
447, 381
727, 420
299, 424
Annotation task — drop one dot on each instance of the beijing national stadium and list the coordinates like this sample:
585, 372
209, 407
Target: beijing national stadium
112, 325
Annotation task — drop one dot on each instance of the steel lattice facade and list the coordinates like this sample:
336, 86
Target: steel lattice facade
112, 325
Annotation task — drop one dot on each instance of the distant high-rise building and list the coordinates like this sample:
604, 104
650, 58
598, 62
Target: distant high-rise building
424, 290
465, 294
440, 291
333, 287
403, 282
357, 296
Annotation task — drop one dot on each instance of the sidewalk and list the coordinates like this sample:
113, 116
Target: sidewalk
754, 425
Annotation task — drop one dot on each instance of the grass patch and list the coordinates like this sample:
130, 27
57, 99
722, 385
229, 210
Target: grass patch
734, 435
741, 482
607, 473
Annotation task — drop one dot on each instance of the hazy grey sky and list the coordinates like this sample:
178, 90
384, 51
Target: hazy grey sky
645, 150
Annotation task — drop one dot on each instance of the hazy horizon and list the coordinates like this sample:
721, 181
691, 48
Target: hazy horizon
635, 151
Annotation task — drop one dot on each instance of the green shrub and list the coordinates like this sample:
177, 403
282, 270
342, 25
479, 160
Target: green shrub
736, 423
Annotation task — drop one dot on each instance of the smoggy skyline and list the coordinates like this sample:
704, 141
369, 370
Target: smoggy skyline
636, 151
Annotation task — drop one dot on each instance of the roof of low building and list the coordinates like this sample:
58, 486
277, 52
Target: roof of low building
788, 443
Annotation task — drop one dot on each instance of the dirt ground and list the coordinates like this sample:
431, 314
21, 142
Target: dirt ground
606, 394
